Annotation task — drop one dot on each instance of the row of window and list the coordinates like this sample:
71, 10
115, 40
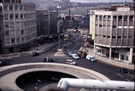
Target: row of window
12, 1
14, 7
125, 18
19, 16
13, 32
119, 17
119, 37
19, 24
14, 40
18, 40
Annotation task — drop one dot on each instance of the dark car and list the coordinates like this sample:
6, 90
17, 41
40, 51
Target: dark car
48, 59
4, 63
124, 70
34, 54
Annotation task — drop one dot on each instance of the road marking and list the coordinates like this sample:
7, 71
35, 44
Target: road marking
128, 80
120, 75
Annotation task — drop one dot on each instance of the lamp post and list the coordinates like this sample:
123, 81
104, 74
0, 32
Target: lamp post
58, 30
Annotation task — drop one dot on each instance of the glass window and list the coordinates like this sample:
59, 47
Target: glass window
18, 40
11, 8
109, 18
100, 17
16, 8
6, 7
6, 16
22, 31
7, 33
22, 39
21, 7
120, 17
96, 17
131, 17
6, 25
114, 17
125, 18
11, 16
11, 24
104, 17
7, 41
16, 16
17, 24
21, 16
114, 26
8, 1
17, 32
12, 32
12, 40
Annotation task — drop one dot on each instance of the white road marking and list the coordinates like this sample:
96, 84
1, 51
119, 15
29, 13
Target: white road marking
128, 80
120, 75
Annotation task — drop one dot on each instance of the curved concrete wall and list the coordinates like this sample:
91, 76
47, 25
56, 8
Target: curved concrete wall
9, 74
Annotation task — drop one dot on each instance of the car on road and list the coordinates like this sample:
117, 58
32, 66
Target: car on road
71, 62
4, 63
75, 56
34, 54
125, 70
70, 54
48, 59
91, 58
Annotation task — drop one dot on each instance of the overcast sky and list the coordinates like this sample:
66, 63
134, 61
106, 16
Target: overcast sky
101, 1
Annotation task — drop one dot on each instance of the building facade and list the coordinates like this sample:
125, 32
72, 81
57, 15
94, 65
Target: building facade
19, 25
1, 29
113, 33
49, 25
46, 23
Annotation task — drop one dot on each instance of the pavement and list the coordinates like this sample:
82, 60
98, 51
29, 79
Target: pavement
108, 61
40, 50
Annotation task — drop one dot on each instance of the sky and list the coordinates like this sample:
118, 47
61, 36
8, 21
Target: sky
101, 1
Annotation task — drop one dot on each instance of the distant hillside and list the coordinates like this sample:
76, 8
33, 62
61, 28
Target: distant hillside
42, 4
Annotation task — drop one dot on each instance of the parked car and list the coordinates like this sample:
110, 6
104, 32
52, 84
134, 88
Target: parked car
4, 63
91, 58
125, 70
75, 56
71, 62
34, 54
48, 59
70, 54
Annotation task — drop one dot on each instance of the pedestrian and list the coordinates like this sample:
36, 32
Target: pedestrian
36, 89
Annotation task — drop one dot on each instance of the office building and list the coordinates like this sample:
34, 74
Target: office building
19, 25
113, 33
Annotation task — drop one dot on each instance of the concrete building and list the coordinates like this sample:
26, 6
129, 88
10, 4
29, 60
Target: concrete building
48, 24
19, 25
113, 33
1, 29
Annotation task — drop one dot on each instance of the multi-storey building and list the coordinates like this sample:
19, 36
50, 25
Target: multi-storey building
113, 33
1, 29
46, 23
19, 25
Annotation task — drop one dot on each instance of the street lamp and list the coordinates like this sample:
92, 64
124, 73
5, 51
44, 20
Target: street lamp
58, 7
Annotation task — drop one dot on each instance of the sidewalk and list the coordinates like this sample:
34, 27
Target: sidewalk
111, 62
41, 49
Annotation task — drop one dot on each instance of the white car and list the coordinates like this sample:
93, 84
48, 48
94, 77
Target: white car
71, 62
90, 58
75, 56
70, 54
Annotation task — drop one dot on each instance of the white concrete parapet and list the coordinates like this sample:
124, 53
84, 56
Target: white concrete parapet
64, 83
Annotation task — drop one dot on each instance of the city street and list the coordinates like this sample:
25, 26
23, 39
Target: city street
110, 71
